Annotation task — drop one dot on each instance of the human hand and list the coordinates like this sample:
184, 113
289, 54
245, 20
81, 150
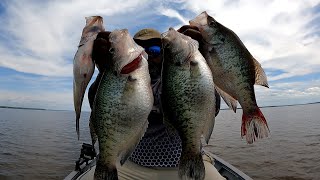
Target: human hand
100, 50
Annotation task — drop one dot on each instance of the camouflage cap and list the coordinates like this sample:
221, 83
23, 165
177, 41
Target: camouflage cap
146, 34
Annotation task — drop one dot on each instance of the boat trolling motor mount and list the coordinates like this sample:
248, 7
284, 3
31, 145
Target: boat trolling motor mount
87, 153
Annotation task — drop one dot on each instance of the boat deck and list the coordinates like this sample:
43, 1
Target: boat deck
85, 169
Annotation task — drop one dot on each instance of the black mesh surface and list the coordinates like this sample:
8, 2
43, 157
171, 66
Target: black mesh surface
158, 148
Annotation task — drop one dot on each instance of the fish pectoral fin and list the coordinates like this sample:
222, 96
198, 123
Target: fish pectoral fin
260, 75
230, 101
131, 145
195, 71
208, 128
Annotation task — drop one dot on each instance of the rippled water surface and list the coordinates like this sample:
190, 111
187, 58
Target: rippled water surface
43, 144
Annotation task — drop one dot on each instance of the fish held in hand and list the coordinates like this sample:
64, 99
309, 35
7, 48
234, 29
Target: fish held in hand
122, 104
235, 71
83, 66
188, 99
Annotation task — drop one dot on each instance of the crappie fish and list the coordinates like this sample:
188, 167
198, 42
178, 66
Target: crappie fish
235, 71
83, 66
122, 104
100, 57
188, 99
91, 96
193, 32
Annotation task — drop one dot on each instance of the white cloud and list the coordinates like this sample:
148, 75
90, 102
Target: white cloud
41, 37
46, 35
279, 35
56, 100
41, 65
313, 90
288, 93
173, 14
270, 30
46, 100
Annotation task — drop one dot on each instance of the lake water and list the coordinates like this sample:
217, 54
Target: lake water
38, 144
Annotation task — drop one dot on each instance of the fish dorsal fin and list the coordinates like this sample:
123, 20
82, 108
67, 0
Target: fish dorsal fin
260, 75
230, 101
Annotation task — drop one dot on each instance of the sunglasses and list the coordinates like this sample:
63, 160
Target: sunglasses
153, 51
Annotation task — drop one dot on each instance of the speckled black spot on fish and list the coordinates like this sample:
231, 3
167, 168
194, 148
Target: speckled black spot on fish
188, 99
235, 71
122, 105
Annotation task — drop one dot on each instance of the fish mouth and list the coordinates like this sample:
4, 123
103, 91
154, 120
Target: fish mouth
126, 54
167, 37
90, 20
165, 40
193, 23
133, 65
200, 20
185, 28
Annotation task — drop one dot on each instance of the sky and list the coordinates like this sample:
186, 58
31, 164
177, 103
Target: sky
39, 38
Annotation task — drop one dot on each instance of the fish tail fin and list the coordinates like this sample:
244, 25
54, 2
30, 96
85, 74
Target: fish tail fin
105, 172
254, 126
191, 167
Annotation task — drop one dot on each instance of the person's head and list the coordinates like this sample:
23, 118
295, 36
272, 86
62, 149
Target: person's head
150, 40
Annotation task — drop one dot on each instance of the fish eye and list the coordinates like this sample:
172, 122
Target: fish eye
212, 23
111, 50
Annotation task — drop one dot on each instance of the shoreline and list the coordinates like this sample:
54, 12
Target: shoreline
42, 109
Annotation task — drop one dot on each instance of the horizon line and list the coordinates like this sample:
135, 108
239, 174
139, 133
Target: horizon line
43, 109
